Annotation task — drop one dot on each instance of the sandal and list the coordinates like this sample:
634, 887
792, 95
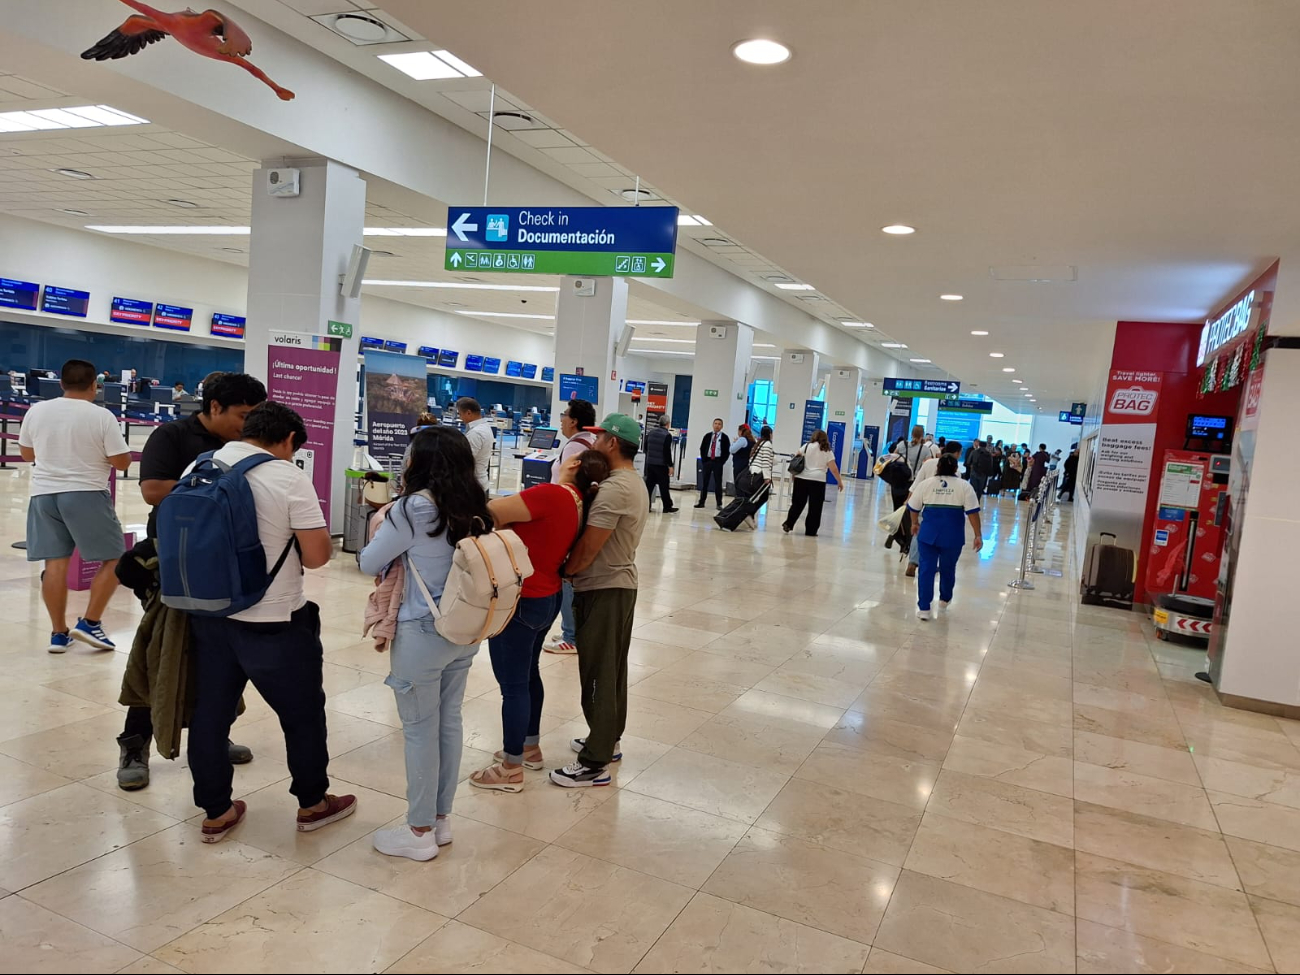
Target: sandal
529, 763
215, 834
498, 778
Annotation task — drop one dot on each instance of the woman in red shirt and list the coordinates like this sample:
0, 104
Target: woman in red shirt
549, 518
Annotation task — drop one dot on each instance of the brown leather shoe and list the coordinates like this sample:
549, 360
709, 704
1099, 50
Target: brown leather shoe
911, 570
336, 808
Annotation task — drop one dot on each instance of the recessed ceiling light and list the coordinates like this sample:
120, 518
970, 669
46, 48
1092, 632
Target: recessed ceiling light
979, 331
1008, 368
74, 212
918, 360
898, 229
651, 338
951, 297
458, 285
764, 345
175, 231
794, 286
857, 324
184, 204
74, 174
356, 27
996, 355
761, 51
1017, 380
81, 117
506, 314
651, 321
634, 195
892, 345
430, 65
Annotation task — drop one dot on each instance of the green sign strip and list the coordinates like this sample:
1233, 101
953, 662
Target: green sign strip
916, 394
560, 262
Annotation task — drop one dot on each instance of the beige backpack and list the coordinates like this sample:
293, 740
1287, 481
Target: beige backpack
483, 587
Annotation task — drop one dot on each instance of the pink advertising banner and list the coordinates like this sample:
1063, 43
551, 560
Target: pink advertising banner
303, 375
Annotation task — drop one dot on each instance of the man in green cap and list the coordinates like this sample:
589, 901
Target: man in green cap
602, 568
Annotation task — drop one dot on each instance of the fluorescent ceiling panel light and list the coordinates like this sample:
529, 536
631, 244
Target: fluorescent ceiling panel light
997, 355
81, 117
651, 321
405, 231
898, 229
650, 338
1017, 381
467, 70
918, 360
457, 285
857, 324
772, 358
661, 352
979, 331
692, 220
892, 345
1008, 368
794, 286
760, 50
175, 231
422, 66
505, 314
951, 297
764, 345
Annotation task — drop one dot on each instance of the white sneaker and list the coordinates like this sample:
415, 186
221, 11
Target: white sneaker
442, 832
944, 606
923, 614
400, 841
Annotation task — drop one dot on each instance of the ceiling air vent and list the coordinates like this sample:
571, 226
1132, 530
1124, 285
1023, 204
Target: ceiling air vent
362, 30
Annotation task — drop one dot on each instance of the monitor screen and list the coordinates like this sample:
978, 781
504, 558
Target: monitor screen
473, 363
429, 352
173, 317
491, 366
232, 326
448, 359
18, 294
131, 311
369, 343
543, 438
548, 374
392, 346
530, 370
514, 368
65, 301
1217, 428
579, 387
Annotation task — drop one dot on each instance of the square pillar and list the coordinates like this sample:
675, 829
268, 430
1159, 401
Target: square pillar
795, 376
590, 315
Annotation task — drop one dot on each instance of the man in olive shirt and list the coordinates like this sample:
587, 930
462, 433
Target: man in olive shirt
602, 568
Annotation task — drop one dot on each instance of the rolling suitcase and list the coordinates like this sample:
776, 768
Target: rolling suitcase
730, 517
1108, 572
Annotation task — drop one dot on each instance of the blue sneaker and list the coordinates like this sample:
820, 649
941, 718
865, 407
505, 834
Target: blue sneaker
93, 635
59, 642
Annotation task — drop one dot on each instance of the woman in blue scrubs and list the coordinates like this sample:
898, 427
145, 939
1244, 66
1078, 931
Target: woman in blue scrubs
945, 503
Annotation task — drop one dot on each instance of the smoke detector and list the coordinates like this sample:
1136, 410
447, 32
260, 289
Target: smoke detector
361, 29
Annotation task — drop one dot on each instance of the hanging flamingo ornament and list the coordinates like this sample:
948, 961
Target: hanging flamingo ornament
210, 33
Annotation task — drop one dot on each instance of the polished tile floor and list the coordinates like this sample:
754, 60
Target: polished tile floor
814, 782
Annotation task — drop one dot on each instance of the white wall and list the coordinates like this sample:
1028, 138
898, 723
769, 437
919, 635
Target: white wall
1057, 435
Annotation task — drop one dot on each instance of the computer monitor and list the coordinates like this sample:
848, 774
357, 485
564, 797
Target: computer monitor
543, 438
161, 394
48, 388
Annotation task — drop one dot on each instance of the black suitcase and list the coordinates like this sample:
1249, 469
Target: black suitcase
730, 517
1108, 572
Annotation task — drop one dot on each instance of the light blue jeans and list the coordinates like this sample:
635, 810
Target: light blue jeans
428, 677
566, 613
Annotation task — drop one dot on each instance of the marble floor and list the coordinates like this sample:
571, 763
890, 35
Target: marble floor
814, 781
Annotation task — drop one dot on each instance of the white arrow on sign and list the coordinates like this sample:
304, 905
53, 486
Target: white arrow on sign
953, 387
460, 227
455, 259
659, 265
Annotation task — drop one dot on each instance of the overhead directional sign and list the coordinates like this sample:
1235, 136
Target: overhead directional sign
623, 241
929, 388
966, 405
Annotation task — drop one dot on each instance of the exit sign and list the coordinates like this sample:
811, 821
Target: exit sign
711, 392
342, 329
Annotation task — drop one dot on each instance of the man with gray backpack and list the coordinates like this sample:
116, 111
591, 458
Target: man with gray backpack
233, 538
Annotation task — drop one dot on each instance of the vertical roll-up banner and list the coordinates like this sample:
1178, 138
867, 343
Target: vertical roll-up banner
303, 374
397, 392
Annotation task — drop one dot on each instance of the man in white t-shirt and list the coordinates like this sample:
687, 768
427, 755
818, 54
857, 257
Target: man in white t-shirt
74, 446
274, 643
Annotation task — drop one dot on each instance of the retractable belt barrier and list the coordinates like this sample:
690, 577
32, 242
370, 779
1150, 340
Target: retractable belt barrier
1038, 512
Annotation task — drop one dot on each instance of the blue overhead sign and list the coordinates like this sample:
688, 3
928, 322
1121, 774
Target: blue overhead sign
623, 241
967, 405
933, 388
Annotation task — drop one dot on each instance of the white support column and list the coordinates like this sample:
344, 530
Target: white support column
794, 385
299, 247
842, 394
587, 329
722, 351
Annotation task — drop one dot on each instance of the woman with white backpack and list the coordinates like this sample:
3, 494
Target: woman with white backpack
441, 504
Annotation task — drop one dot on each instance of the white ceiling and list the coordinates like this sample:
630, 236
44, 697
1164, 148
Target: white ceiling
1151, 146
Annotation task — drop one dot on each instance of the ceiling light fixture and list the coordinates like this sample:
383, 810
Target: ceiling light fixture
978, 331
692, 220
634, 194
918, 360
1018, 381
650, 338
794, 286
430, 65
505, 314
457, 285
1008, 368
892, 345
951, 297
898, 229
996, 355
405, 231
652, 321
764, 345
81, 117
760, 50
766, 358
73, 174
857, 325
173, 231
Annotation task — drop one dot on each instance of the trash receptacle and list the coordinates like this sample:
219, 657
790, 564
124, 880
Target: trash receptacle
356, 510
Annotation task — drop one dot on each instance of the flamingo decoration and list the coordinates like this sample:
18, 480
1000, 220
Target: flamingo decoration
210, 33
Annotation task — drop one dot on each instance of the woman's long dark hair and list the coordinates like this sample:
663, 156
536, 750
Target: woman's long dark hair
765, 433
593, 467
947, 466
442, 464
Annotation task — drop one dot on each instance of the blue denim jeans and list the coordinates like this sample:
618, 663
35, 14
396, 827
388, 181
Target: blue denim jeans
566, 613
515, 652
428, 677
